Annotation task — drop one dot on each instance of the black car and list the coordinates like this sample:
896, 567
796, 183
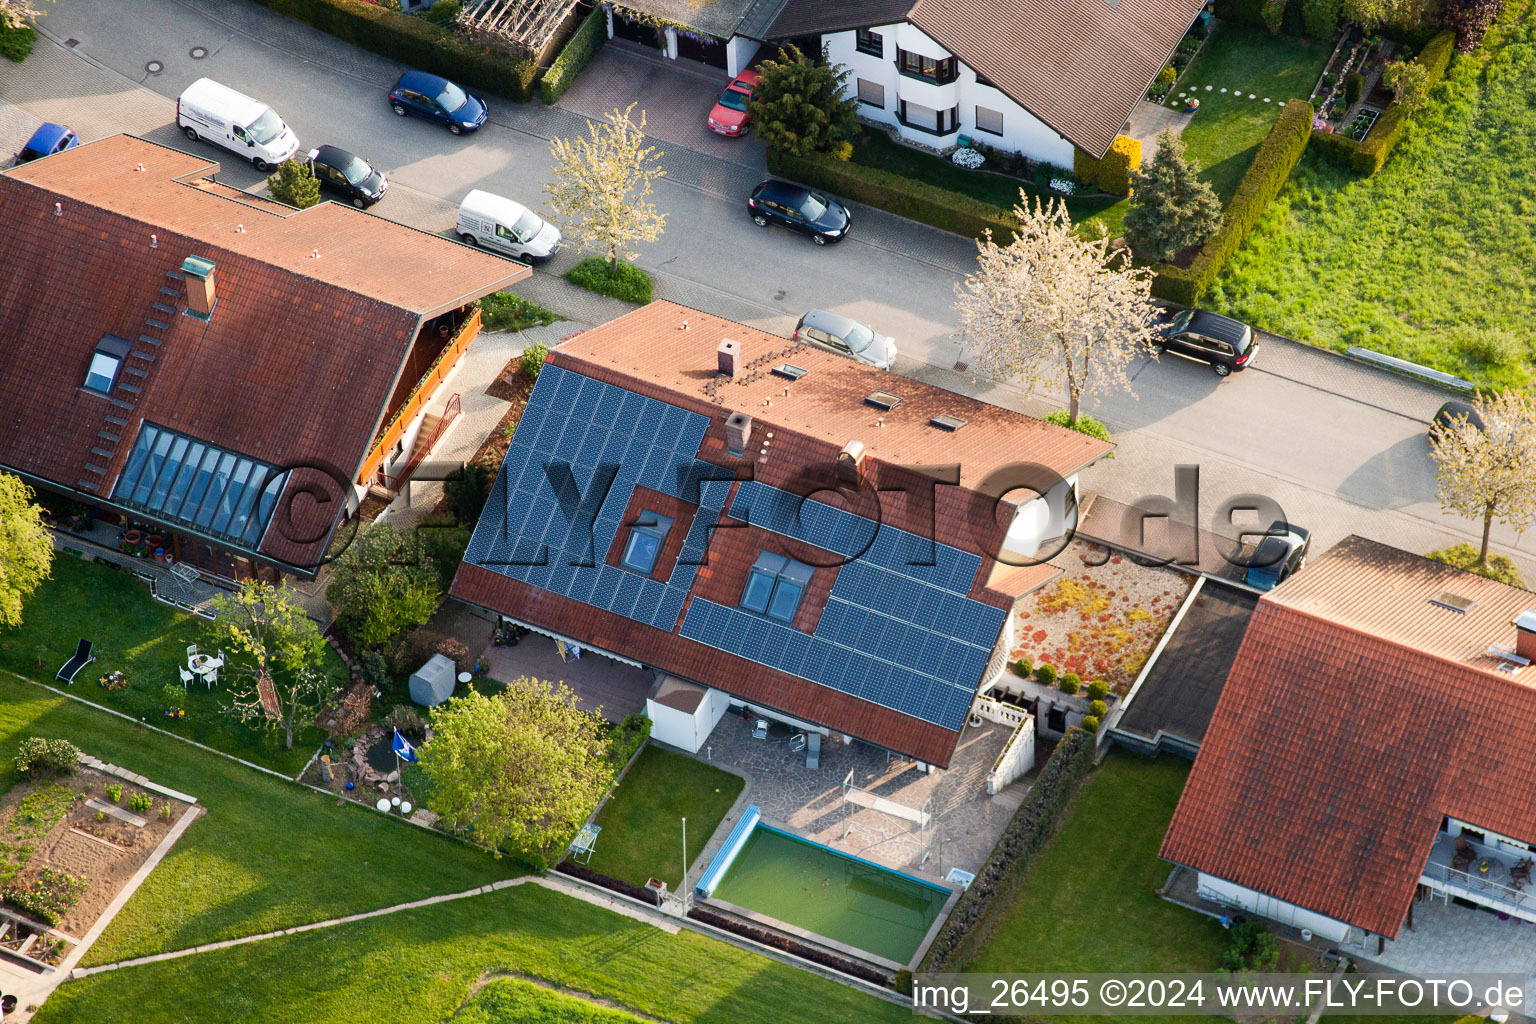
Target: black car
350, 176
799, 209
1282, 551
1206, 337
1452, 414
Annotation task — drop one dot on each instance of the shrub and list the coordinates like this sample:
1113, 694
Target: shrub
801, 106
1464, 556
504, 311
1353, 86
1242, 12
49, 896
1098, 709
1369, 154
905, 197
1112, 172
1097, 690
444, 540
466, 489
416, 42
1027, 831
1272, 164
1090, 723
1250, 947
1070, 683
115, 791
1045, 674
1273, 13
375, 671
574, 56
1023, 667
444, 12
37, 757
405, 718
1320, 17
1167, 76
16, 43
626, 738
624, 281
1469, 20
532, 359
1084, 424
141, 803
294, 184
425, 643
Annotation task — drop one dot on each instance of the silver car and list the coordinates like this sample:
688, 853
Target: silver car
846, 337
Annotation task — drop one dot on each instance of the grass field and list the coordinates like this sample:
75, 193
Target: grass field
1226, 131
145, 640
514, 1001
415, 968
642, 825
1089, 900
1429, 260
267, 855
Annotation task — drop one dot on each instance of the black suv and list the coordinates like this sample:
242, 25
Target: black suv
1225, 343
350, 176
799, 209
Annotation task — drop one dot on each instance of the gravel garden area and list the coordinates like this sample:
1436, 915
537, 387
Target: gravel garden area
1101, 618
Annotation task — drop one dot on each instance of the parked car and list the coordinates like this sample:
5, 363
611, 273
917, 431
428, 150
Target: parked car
799, 209
730, 114
348, 175
846, 337
1454, 413
437, 100
1206, 337
49, 139
218, 114
1282, 552
508, 227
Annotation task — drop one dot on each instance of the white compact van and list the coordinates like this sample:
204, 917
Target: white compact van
506, 227
218, 114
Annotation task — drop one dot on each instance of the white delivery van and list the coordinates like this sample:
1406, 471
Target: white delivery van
506, 227
218, 114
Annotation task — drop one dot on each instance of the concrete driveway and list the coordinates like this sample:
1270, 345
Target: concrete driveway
1340, 446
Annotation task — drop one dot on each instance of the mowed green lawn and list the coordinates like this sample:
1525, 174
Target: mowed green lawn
1089, 899
147, 641
514, 1001
415, 967
1429, 260
267, 854
642, 835
1227, 129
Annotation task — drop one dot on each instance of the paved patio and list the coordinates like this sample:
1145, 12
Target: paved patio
613, 687
1452, 940
1148, 119
967, 822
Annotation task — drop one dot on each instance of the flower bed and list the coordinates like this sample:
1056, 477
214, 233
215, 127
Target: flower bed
48, 896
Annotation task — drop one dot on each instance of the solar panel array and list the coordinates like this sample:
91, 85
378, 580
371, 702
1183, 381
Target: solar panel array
554, 534
898, 634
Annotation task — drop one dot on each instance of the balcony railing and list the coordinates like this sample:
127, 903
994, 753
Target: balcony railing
1471, 883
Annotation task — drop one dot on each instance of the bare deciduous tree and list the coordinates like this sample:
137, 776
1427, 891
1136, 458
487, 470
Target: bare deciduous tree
601, 186
1489, 474
1055, 309
16, 13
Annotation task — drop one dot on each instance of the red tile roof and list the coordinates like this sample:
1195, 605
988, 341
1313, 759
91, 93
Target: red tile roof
293, 368
1355, 716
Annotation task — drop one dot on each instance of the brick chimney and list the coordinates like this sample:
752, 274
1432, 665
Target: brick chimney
1525, 635
728, 357
848, 462
200, 294
738, 432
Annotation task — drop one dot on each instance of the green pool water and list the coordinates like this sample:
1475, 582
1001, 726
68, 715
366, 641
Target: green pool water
831, 894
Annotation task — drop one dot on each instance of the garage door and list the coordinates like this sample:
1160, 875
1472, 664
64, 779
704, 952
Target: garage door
625, 27
704, 49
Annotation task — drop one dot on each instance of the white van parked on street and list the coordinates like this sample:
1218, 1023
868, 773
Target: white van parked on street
218, 114
506, 227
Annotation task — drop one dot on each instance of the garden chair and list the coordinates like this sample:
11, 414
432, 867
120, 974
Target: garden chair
191, 651
83, 657
584, 843
186, 678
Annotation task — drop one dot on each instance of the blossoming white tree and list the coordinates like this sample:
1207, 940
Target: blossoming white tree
1054, 309
16, 13
601, 185
1489, 474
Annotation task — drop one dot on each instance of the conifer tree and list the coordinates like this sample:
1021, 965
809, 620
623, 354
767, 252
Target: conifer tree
1171, 208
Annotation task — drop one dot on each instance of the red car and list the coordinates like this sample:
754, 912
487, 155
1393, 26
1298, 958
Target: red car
729, 116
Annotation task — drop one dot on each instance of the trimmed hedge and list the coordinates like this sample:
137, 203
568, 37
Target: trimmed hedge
417, 42
1030, 828
574, 56
1368, 155
1111, 172
905, 197
1272, 164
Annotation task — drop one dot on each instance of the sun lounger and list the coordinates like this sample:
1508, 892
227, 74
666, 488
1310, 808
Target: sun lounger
82, 658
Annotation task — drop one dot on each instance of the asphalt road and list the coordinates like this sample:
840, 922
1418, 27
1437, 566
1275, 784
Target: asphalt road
1341, 447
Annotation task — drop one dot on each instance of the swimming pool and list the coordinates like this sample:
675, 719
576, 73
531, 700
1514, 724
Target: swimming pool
828, 893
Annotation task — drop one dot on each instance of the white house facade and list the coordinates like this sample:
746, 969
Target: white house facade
903, 78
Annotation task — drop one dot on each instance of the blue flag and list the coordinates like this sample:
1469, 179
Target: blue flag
402, 748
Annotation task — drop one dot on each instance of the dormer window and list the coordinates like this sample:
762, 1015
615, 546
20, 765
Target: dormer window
646, 537
106, 364
775, 586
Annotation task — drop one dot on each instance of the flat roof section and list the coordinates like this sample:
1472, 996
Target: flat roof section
1179, 694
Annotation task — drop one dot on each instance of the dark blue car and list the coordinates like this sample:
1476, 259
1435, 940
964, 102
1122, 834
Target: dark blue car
49, 139
437, 100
